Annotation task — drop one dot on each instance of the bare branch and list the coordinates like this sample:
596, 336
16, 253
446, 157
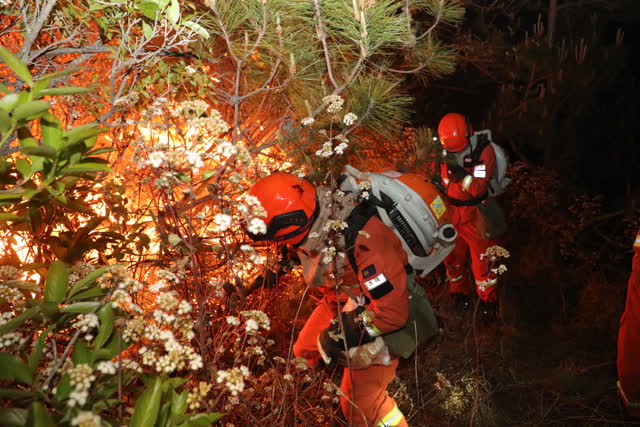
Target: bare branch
323, 39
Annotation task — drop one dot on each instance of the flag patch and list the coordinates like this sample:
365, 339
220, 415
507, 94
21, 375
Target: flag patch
368, 271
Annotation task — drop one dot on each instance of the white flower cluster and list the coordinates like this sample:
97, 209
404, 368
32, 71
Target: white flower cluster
495, 252
226, 149
222, 221
197, 395
326, 150
255, 319
233, 320
307, 121
349, 119
176, 355
79, 271
10, 338
335, 103
127, 100
191, 108
80, 377
253, 255
335, 224
86, 419
106, 367
175, 160
9, 272
500, 269
8, 293
233, 379
86, 323
329, 254
257, 226
253, 212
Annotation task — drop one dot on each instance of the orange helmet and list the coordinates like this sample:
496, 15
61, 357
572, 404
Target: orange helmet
454, 131
291, 205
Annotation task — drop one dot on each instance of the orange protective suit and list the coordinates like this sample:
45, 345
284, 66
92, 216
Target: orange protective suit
382, 279
629, 340
469, 224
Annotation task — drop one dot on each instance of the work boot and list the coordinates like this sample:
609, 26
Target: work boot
462, 302
487, 311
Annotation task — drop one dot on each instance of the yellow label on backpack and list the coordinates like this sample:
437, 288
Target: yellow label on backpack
438, 207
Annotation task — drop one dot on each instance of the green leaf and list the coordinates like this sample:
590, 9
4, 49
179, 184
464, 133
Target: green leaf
5, 122
82, 132
9, 217
13, 417
51, 131
207, 174
178, 403
81, 353
101, 151
173, 12
113, 347
81, 168
81, 307
38, 416
87, 280
8, 103
64, 387
16, 65
19, 320
41, 150
203, 420
56, 283
197, 28
89, 293
147, 31
36, 354
4, 89
24, 167
17, 394
30, 110
148, 9
148, 404
105, 314
23, 285
14, 369
71, 90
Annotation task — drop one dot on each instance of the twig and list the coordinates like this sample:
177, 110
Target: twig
323, 39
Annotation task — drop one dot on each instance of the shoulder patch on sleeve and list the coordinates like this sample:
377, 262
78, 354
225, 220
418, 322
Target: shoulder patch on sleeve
378, 286
368, 271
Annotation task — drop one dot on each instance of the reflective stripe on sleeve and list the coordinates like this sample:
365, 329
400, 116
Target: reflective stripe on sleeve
466, 182
393, 418
455, 279
369, 326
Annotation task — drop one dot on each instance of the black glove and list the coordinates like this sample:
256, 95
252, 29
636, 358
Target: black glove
331, 340
456, 173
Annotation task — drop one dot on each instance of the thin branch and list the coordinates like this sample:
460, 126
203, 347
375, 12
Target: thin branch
33, 28
323, 39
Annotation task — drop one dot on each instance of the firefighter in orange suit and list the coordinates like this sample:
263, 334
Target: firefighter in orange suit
369, 303
629, 340
464, 179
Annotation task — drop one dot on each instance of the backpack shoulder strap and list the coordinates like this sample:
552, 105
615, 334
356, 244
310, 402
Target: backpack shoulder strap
482, 141
356, 220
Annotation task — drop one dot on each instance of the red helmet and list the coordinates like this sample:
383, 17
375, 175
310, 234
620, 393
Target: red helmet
291, 205
454, 131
